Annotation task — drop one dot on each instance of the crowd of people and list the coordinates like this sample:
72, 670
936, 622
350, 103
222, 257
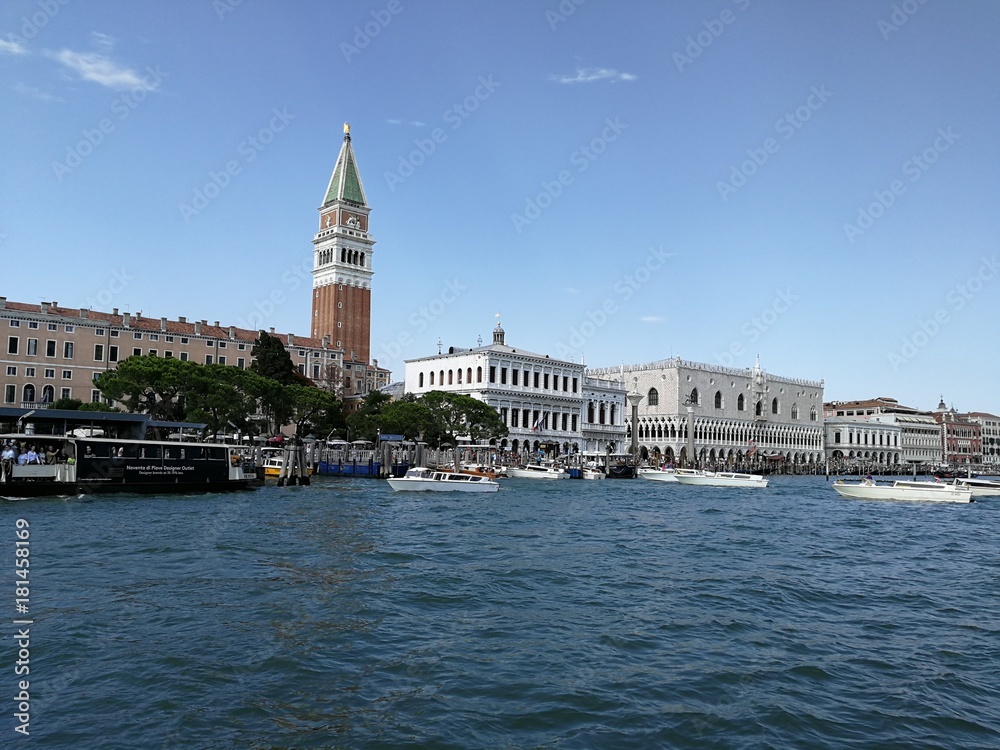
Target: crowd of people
24, 454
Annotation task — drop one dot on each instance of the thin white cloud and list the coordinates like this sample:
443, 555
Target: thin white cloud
651, 319
104, 42
34, 93
414, 123
591, 75
571, 290
12, 48
101, 69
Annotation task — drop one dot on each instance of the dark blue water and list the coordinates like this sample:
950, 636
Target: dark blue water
615, 614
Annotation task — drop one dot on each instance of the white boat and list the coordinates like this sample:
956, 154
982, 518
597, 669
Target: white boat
668, 475
723, 479
591, 473
537, 471
980, 487
904, 490
422, 479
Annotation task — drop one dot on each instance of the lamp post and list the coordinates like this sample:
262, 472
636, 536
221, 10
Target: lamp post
634, 398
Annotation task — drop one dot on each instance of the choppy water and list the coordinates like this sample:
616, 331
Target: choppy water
615, 614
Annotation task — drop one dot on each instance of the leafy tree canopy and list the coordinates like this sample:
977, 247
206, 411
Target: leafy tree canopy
271, 360
454, 415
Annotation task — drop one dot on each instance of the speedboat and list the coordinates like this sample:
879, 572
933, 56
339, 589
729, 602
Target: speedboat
537, 471
589, 472
422, 479
668, 475
904, 490
723, 479
980, 487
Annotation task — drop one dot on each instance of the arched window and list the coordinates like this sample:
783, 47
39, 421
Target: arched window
343, 255
812, 414
601, 414
28, 393
459, 373
451, 377
441, 377
718, 399
48, 394
432, 377
468, 375
362, 260
741, 404
612, 421
653, 397
479, 374
774, 405
795, 411
590, 412
759, 410
695, 398
421, 380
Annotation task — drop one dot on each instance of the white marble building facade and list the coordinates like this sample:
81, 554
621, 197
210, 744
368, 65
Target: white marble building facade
713, 416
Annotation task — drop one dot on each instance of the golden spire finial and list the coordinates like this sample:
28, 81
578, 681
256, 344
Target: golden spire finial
347, 128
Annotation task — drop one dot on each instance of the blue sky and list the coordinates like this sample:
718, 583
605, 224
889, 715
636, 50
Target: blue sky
813, 182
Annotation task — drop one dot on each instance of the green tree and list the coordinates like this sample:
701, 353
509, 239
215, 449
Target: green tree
454, 415
67, 404
364, 423
271, 360
149, 385
407, 418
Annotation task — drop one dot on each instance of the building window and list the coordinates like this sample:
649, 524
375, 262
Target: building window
15, 324
241, 347
432, 377
114, 334
503, 377
718, 399
50, 348
513, 415
12, 344
479, 375
812, 414
67, 350
184, 339
33, 324
652, 398
48, 372
167, 354
98, 352
52, 327
154, 337
759, 409
741, 403
137, 352
184, 356
153, 353
535, 380
222, 359
513, 376
503, 414
795, 411
69, 329
573, 422
574, 389
209, 343
774, 405
10, 392
67, 375
208, 359
112, 354
493, 374
222, 345
545, 381
28, 393
95, 396
29, 372
32, 350
137, 336
420, 380
241, 363
11, 371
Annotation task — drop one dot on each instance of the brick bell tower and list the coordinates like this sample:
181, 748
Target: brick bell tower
342, 263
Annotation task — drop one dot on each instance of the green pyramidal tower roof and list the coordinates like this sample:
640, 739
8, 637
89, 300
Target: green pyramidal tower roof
345, 185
